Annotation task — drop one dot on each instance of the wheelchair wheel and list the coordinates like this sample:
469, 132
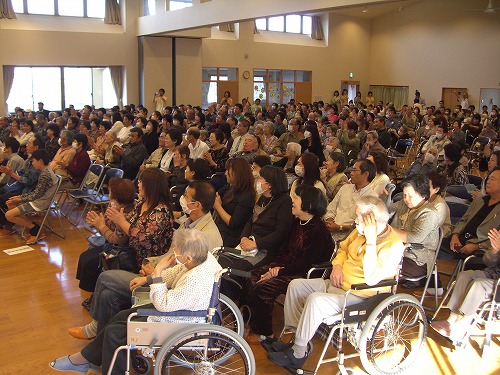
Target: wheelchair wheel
140, 364
393, 335
205, 350
231, 315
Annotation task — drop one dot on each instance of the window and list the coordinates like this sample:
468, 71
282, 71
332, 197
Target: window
71, 8
58, 87
210, 79
292, 23
276, 85
179, 4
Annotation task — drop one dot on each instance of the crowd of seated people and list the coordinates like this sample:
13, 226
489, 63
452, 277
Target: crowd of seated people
244, 174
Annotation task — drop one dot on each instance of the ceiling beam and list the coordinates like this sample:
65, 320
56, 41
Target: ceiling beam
223, 11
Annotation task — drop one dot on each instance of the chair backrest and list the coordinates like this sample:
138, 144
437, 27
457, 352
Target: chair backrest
459, 191
92, 179
457, 210
390, 189
112, 173
404, 143
476, 180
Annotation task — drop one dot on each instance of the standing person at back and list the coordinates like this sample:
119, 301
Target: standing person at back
159, 100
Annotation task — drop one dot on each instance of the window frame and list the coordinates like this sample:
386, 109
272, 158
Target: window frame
56, 10
62, 88
267, 80
284, 24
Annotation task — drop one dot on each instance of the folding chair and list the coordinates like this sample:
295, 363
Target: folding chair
476, 180
90, 186
433, 271
395, 156
390, 189
53, 207
101, 199
457, 211
459, 191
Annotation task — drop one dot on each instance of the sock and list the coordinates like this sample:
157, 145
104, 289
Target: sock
90, 330
34, 230
299, 351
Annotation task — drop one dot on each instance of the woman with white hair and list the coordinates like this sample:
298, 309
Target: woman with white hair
182, 280
269, 140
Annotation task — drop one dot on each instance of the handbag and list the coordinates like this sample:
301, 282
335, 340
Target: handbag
13, 185
120, 258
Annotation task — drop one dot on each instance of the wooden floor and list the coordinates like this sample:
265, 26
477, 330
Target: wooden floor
41, 300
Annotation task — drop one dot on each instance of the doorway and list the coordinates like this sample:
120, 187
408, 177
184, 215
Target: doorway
452, 96
352, 88
489, 97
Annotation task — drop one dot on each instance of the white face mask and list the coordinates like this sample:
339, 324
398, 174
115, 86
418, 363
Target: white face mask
75, 145
299, 170
177, 261
256, 175
184, 206
429, 158
307, 134
259, 188
290, 128
59, 142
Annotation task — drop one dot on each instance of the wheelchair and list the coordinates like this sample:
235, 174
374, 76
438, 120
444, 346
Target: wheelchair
212, 345
386, 331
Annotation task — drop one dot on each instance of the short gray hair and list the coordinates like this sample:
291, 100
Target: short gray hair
294, 147
68, 135
373, 205
271, 126
373, 133
191, 242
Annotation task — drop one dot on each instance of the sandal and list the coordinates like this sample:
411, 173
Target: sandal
65, 364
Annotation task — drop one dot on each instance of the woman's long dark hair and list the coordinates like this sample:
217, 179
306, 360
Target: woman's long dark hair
311, 169
156, 189
243, 179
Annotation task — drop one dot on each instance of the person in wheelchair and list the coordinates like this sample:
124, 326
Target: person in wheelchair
371, 253
471, 289
183, 280
309, 243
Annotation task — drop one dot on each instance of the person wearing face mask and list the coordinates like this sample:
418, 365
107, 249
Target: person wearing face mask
425, 164
438, 140
292, 135
234, 202
150, 137
258, 163
150, 230
312, 141
122, 195
64, 156
79, 165
371, 144
307, 171
416, 221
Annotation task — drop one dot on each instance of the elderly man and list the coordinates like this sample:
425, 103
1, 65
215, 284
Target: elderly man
371, 144
64, 156
293, 135
341, 211
133, 155
370, 254
250, 147
242, 128
113, 288
183, 280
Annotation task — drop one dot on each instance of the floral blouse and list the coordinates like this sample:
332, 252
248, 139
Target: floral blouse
151, 233
268, 144
220, 157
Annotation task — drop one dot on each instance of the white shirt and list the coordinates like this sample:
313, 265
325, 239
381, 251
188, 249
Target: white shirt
318, 185
342, 209
197, 151
124, 135
166, 160
238, 144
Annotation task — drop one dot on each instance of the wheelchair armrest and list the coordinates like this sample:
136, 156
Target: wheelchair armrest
381, 284
322, 265
225, 249
178, 313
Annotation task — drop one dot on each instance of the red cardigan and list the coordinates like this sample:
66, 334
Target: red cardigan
79, 167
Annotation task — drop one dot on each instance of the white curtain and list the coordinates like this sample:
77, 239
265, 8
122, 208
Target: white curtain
8, 79
112, 13
228, 27
117, 80
316, 28
6, 9
396, 94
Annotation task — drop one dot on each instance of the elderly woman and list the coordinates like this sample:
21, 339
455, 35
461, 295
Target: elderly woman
218, 154
416, 221
150, 229
111, 157
79, 165
332, 174
121, 195
472, 288
309, 242
64, 156
183, 280
269, 140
